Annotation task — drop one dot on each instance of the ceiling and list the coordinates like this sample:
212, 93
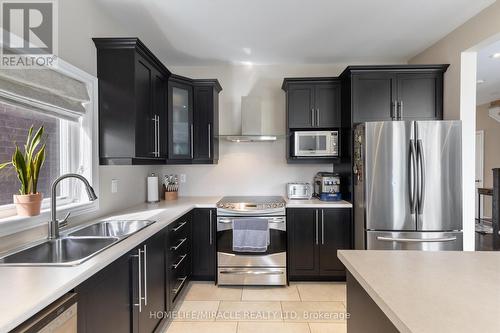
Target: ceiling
205, 32
488, 70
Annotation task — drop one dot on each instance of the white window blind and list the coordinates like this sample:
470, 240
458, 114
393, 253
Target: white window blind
44, 90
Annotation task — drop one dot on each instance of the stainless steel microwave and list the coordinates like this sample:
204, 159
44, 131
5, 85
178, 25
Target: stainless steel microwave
316, 143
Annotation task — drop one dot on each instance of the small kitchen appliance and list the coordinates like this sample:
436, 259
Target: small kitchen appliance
299, 191
316, 143
327, 186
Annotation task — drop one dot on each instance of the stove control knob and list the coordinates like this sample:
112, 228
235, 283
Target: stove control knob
275, 205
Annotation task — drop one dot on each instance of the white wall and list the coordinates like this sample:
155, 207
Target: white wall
250, 168
458, 49
79, 22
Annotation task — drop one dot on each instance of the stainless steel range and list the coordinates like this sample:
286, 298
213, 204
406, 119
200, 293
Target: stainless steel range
264, 265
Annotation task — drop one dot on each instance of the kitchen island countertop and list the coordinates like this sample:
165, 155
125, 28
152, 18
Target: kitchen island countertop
425, 292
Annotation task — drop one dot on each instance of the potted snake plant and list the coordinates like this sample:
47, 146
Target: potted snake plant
27, 167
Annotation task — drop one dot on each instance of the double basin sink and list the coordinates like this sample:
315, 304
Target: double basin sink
76, 246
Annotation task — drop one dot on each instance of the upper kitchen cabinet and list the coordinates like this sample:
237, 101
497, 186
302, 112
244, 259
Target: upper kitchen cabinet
401, 92
132, 103
180, 119
312, 103
206, 121
193, 115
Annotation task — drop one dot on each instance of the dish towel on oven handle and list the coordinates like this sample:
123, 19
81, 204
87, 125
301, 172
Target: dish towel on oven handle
250, 235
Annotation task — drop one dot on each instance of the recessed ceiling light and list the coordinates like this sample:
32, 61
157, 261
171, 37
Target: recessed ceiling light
480, 81
495, 55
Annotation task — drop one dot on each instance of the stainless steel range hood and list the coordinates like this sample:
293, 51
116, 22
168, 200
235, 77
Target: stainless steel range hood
252, 123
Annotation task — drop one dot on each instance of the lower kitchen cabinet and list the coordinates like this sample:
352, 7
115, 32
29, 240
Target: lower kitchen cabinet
314, 236
105, 300
148, 282
178, 268
109, 300
203, 244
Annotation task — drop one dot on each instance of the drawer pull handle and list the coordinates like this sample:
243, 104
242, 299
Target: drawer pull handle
416, 240
174, 266
174, 248
183, 280
179, 226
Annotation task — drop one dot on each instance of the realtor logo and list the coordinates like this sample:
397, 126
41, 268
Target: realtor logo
28, 33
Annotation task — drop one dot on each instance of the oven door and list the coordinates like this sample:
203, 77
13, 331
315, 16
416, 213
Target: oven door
313, 143
275, 256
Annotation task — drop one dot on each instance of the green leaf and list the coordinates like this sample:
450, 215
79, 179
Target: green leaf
22, 172
35, 141
3, 165
38, 161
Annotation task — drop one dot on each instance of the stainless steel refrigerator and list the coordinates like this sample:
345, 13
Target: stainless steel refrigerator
408, 185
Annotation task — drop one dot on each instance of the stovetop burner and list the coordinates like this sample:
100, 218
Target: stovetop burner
251, 202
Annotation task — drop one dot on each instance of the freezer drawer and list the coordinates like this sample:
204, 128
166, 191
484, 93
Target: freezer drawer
424, 241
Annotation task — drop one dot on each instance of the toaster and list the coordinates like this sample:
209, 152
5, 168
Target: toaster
299, 191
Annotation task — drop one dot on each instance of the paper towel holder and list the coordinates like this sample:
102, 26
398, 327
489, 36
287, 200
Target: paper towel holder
152, 189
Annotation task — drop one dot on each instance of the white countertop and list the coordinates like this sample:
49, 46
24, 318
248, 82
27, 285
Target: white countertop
425, 292
24, 291
316, 203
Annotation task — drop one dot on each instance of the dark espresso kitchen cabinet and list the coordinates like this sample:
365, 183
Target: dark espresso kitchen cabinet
148, 283
104, 300
193, 116
206, 121
178, 258
312, 103
203, 244
314, 236
132, 103
384, 93
121, 297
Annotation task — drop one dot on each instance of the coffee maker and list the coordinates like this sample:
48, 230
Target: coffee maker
327, 186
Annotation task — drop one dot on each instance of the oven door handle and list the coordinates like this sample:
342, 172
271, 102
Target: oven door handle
253, 272
270, 220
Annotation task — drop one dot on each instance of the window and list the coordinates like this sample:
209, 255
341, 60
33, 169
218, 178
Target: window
71, 147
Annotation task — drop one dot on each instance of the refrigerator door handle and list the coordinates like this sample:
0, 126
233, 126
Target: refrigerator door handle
421, 169
412, 170
416, 240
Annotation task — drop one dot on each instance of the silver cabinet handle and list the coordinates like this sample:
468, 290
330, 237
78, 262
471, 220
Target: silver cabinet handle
179, 226
394, 110
400, 110
317, 227
174, 266
414, 240
211, 236
192, 143
176, 290
154, 133
158, 136
140, 298
176, 247
322, 227
209, 140
421, 167
312, 117
317, 117
412, 171
145, 275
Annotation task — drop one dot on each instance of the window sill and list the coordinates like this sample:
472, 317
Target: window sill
14, 224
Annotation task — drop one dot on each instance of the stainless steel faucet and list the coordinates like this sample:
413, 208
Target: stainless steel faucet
54, 224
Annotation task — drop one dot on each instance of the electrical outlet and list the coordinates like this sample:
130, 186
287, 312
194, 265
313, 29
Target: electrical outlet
114, 185
183, 178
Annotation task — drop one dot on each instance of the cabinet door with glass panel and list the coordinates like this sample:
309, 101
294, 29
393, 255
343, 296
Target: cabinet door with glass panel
180, 116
